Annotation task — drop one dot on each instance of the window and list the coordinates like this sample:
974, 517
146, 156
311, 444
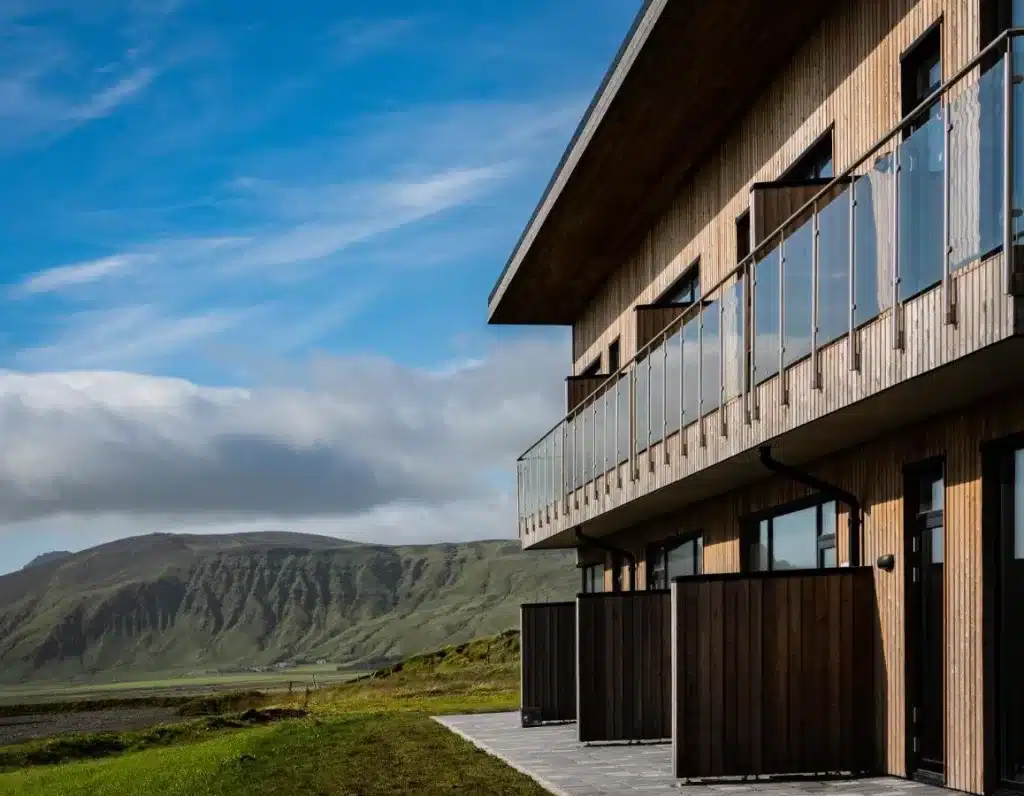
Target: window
815, 163
593, 579
921, 77
742, 236
613, 357
593, 369
680, 557
616, 572
686, 289
803, 538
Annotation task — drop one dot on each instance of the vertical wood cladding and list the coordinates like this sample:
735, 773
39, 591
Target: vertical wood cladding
625, 685
846, 74
774, 673
874, 472
547, 649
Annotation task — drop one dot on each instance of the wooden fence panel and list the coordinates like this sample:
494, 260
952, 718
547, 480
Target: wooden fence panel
624, 668
774, 673
547, 650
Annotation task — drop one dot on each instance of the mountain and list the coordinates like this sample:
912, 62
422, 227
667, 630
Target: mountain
47, 558
166, 601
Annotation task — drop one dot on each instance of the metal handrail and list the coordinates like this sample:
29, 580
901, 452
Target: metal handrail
1001, 41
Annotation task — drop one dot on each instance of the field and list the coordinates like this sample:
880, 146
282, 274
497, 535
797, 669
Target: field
371, 737
169, 684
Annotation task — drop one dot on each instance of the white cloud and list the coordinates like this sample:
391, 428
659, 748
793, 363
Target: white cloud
105, 101
66, 276
363, 443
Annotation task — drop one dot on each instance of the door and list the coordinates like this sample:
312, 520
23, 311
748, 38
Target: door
1010, 620
924, 497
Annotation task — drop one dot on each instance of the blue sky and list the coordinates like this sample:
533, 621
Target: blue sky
211, 208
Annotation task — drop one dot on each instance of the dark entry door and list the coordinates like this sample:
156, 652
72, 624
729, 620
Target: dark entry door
924, 495
1010, 612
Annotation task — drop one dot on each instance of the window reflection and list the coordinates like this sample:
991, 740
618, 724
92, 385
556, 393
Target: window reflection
800, 539
1018, 503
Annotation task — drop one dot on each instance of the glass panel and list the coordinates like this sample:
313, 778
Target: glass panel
657, 366
796, 286
732, 339
682, 560
828, 558
834, 269
578, 451
795, 540
976, 169
931, 494
700, 554
586, 425
1018, 140
766, 317
872, 221
921, 163
711, 375
828, 519
622, 391
759, 549
673, 386
936, 545
640, 381
691, 369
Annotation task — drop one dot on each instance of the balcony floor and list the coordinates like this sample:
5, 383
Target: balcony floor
552, 756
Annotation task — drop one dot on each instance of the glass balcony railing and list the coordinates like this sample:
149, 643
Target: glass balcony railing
926, 201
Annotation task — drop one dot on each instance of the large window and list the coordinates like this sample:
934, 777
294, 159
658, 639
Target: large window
593, 579
800, 538
678, 557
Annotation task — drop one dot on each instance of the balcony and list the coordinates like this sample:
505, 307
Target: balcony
836, 328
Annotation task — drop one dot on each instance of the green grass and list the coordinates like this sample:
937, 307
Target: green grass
369, 738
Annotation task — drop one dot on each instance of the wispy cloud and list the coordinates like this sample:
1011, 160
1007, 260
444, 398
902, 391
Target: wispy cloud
69, 276
107, 100
354, 39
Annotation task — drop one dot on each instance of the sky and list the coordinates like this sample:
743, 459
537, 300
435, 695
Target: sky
246, 250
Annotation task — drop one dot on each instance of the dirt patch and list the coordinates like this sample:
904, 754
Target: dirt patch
18, 729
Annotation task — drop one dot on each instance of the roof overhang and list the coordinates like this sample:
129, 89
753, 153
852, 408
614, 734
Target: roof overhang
685, 73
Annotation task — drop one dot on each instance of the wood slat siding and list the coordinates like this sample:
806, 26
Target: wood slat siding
579, 388
846, 74
774, 673
624, 666
652, 319
547, 650
874, 472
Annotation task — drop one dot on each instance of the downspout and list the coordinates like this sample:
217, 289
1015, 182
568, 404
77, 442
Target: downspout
827, 489
590, 540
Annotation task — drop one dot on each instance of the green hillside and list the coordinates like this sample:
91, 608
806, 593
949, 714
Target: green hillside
170, 602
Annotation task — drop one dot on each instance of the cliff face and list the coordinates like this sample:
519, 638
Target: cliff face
163, 602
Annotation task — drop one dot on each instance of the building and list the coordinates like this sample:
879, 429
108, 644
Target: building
780, 239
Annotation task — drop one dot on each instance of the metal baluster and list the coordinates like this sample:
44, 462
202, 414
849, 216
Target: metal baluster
604, 433
753, 410
575, 460
815, 264
897, 342
700, 377
1008, 168
851, 341
593, 465
721, 363
783, 386
948, 302
682, 391
563, 498
664, 396
650, 461
618, 455
747, 339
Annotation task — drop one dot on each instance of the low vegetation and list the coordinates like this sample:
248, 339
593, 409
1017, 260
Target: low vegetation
371, 737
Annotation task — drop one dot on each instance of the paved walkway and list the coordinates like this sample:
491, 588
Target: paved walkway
553, 757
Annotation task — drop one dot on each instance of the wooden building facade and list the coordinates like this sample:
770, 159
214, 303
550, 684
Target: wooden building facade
818, 336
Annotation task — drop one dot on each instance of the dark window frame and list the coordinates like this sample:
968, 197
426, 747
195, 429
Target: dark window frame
744, 243
691, 275
589, 574
593, 369
916, 60
663, 548
614, 363
751, 532
811, 159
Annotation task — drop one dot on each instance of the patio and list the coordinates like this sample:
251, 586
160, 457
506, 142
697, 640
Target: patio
553, 757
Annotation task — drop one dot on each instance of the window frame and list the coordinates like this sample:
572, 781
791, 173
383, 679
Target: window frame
813, 154
751, 532
614, 364
593, 369
924, 49
588, 576
663, 548
690, 274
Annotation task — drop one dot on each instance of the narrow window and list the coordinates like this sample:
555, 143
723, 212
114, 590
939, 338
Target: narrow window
593, 369
593, 579
742, 236
921, 76
613, 357
814, 164
685, 290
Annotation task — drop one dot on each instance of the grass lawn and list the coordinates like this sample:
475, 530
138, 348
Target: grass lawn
360, 739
